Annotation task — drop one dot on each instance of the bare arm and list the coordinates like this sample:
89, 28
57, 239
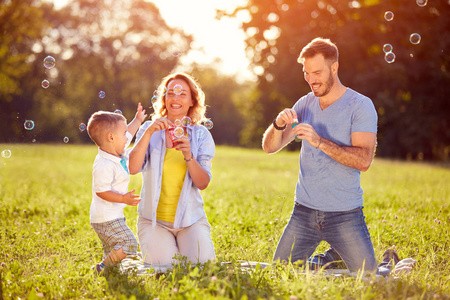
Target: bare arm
358, 156
199, 176
140, 116
274, 140
137, 154
128, 198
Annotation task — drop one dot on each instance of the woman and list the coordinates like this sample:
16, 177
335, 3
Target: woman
172, 220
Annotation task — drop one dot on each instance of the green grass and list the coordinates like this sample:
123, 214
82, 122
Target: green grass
48, 247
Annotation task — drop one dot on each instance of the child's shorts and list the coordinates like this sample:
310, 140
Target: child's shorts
114, 235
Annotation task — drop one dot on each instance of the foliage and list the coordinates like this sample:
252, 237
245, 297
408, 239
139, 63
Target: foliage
125, 47
121, 47
409, 94
48, 247
21, 24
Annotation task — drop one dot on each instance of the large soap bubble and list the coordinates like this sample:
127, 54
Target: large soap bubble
389, 15
49, 62
28, 125
6, 153
415, 38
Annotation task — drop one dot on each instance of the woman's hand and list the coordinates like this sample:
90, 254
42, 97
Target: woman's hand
160, 124
182, 144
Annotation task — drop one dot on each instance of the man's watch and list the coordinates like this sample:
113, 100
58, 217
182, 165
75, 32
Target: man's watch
278, 127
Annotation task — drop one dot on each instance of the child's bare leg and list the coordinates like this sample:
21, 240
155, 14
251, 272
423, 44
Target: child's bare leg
114, 257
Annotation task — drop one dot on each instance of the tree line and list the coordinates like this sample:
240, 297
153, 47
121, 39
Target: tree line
125, 48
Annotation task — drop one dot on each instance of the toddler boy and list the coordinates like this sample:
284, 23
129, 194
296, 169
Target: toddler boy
110, 185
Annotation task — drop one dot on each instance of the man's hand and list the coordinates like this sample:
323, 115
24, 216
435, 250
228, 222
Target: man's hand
286, 116
307, 132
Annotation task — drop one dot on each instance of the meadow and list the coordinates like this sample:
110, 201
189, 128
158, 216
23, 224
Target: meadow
47, 246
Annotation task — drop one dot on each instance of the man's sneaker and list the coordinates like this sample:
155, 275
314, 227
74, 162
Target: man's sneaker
329, 260
390, 259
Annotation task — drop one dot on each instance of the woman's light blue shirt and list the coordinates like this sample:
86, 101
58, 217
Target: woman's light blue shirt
190, 205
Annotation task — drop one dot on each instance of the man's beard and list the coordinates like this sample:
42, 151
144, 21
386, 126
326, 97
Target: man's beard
328, 86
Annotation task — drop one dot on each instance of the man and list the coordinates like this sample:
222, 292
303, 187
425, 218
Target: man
338, 128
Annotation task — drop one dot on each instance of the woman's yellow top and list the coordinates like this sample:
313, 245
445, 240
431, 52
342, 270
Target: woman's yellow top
174, 171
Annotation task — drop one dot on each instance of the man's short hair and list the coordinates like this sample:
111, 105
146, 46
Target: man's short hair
102, 122
320, 46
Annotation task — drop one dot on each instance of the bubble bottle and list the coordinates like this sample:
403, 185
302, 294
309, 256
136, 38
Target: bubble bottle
295, 123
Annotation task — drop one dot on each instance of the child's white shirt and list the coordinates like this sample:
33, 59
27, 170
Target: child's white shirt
108, 175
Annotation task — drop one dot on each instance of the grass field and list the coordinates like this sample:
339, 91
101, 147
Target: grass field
47, 245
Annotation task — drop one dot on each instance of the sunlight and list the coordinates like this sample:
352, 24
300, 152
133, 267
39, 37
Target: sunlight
213, 39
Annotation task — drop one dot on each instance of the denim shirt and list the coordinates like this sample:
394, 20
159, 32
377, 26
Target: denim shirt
190, 205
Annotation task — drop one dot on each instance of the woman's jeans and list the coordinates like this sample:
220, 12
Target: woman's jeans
346, 232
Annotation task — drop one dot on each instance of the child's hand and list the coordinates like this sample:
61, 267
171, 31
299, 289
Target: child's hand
140, 113
131, 199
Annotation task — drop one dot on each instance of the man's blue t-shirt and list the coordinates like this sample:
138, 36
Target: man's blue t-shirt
323, 183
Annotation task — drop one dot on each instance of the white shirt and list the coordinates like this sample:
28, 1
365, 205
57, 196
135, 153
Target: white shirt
108, 175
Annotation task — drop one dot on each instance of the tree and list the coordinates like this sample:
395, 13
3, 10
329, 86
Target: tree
413, 116
120, 47
224, 100
21, 25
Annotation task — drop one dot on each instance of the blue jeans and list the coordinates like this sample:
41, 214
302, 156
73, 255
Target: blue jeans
346, 232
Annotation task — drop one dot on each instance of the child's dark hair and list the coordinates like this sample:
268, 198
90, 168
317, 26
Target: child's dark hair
100, 123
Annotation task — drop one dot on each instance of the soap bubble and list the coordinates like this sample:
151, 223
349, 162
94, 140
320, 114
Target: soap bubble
154, 100
177, 123
177, 89
421, 3
118, 111
186, 121
82, 127
66, 139
49, 62
160, 91
208, 124
415, 38
387, 48
178, 132
389, 15
389, 57
29, 124
101, 94
6, 153
45, 83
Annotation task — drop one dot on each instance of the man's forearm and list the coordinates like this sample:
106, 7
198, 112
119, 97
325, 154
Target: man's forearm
272, 140
351, 156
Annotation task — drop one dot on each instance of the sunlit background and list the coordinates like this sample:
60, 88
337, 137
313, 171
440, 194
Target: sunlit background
112, 54
213, 39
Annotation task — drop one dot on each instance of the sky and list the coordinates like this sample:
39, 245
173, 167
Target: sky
218, 38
